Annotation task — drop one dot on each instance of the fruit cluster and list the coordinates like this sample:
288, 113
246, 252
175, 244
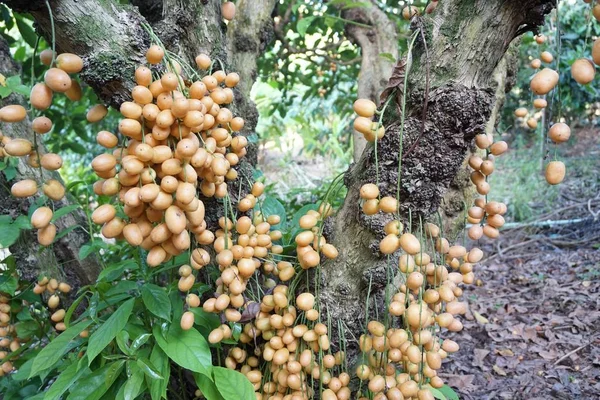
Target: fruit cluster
178, 132
56, 80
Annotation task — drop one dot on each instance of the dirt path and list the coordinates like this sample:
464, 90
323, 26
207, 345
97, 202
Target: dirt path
533, 328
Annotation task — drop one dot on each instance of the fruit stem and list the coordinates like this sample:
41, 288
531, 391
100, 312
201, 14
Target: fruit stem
53, 34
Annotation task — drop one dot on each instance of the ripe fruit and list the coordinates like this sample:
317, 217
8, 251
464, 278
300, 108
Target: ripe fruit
57, 80
13, 113
365, 108
536, 64
46, 235
41, 217
409, 12
228, 10
46, 57
18, 147
559, 132
555, 172
155, 54
547, 57
24, 188
53, 189
583, 71
544, 81
187, 320
96, 113
70, 63
40, 96
521, 112
596, 52
51, 161
540, 103
41, 125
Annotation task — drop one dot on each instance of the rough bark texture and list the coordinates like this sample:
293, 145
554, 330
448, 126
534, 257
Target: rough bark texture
465, 41
375, 70
61, 260
112, 41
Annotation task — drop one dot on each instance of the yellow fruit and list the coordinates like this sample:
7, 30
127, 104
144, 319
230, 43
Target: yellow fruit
305, 301
24, 188
547, 57
41, 217
155, 54
596, 52
365, 108
369, 191
521, 112
555, 172
40, 96
540, 103
46, 57
12, 113
57, 80
41, 125
559, 132
96, 113
410, 243
74, 93
228, 10
187, 320
51, 161
70, 63
536, 64
544, 81
53, 189
583, 71
103, 214
46, 235
18, 147
409, 12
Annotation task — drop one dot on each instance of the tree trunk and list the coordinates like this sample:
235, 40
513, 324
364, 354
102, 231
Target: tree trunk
379, 47
453, 69
61, 260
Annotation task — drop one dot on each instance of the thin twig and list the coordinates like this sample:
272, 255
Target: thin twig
426, 95
573, 352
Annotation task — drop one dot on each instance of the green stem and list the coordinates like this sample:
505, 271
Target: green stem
53, 33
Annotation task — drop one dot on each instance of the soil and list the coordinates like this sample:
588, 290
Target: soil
533, 326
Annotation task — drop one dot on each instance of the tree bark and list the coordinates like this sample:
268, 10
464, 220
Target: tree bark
61, 260
379, 47
453, 68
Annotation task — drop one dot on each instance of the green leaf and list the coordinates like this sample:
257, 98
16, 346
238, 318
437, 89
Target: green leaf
122, 341
149, 369
8, 283
93, 386
272, 206
27, 329
26, 31
204, 319
449, 392
115, 271
157, 301
140, 341
64, 381
56, 349
188, 348
65, 232
303, 24
388, 56
64, 211
233, 385
10, 173
158, 387
208, 387
22, 222
8, 234
108, 330
72, 309
133, 385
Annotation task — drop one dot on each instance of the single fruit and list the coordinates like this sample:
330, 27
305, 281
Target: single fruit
40, 96
70, 63
583, 71
555, 172
559, 132
96, 113
544, 81
57, 80
13, 113
228, 10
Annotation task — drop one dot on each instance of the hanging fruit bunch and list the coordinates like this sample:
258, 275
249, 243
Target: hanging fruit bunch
57, 79
176, 135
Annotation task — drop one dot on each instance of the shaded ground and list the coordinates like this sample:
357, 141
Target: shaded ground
533, 327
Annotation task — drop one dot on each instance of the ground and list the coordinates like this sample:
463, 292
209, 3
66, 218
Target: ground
533, 326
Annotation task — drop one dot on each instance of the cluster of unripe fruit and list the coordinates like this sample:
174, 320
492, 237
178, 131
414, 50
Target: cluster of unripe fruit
56, 80
178, 133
